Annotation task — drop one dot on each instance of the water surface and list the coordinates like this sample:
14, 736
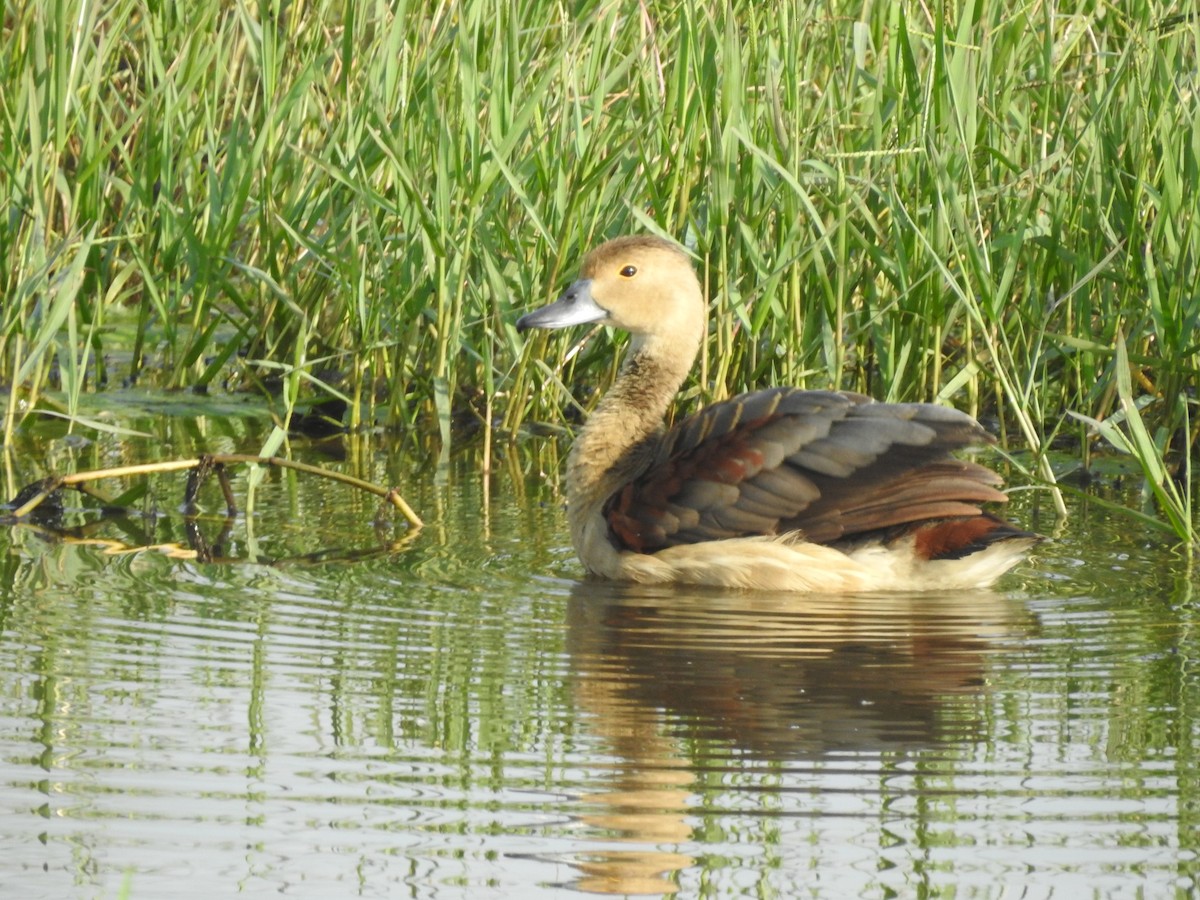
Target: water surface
340, 712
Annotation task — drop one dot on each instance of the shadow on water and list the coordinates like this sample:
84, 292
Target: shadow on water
679, 684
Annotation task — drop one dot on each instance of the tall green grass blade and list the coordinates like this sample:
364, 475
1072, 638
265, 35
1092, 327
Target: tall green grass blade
1134, 439
955, 202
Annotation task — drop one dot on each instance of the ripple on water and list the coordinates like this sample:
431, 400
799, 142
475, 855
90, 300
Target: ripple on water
443, 723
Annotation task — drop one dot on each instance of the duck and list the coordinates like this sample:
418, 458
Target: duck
777, 489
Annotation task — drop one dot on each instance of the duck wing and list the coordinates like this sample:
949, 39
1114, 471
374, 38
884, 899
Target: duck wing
831, 466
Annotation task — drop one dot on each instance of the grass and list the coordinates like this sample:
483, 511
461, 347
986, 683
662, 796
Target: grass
992, 206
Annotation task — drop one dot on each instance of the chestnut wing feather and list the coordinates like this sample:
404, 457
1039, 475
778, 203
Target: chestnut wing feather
826, 464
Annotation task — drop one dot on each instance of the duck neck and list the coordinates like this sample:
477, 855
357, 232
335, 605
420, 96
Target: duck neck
604, 455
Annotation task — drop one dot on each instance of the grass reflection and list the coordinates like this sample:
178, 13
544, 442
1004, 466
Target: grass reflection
467, 718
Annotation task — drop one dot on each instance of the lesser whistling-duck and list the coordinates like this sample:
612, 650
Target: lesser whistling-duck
777, 489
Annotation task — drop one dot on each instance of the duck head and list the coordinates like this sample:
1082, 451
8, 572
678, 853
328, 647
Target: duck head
642, 284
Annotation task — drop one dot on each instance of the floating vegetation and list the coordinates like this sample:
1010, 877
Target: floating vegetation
40, 503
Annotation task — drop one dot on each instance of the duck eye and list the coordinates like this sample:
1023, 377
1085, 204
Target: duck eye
629, 271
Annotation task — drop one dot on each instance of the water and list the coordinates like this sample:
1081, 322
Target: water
457, 715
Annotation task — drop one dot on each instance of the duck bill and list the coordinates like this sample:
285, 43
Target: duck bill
574, 306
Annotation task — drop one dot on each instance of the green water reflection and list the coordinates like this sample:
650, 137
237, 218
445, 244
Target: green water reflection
455, 714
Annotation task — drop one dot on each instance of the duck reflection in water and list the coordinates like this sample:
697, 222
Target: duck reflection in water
679, 682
